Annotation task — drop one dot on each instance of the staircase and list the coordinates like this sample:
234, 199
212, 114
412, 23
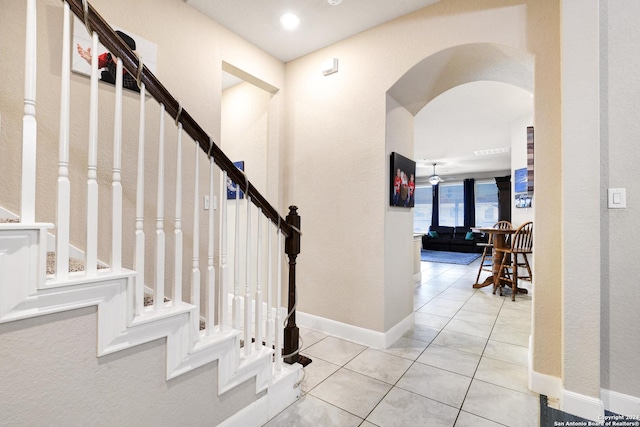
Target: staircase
234, 312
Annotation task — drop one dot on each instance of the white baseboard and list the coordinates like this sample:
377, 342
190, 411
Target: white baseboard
545, 384
417, 278
356, 334
619, 403
587, 407
282, 393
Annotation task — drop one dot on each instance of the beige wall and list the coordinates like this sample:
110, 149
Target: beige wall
398, 257
336, 140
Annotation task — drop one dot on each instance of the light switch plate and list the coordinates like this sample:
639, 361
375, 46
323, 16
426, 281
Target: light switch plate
617, 198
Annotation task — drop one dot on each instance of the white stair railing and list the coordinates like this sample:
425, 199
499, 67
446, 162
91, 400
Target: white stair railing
91, 259
158, 301
139, 257
29, 123
63, 204
261, 321
259, 324
247, 296
224, 275
195, 264
178, 244
116, 185
211, 270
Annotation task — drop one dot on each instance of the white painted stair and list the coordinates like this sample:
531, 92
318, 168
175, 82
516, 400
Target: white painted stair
25, 292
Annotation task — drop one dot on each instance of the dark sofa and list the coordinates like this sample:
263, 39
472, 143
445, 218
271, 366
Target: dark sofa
453, 239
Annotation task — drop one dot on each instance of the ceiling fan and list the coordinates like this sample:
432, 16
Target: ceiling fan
435, 179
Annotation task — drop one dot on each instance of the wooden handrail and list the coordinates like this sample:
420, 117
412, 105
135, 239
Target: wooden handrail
156, 89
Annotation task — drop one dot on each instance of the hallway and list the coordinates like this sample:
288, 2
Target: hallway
464, 363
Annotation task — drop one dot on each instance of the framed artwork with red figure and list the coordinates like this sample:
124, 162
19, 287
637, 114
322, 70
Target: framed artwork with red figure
402, 186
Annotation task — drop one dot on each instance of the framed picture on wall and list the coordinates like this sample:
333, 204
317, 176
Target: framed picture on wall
402, 186
523, 200
232, 187
81, 57
520, 180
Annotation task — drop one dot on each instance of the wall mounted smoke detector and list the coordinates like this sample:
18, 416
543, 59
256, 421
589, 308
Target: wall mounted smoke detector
334, 2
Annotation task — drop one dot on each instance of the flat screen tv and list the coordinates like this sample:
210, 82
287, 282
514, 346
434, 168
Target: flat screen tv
403, 181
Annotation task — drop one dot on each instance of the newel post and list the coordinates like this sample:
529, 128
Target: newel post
292, 249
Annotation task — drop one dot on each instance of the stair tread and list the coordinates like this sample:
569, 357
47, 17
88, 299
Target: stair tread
75, 264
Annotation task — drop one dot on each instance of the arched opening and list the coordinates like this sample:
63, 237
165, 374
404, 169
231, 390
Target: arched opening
451, 70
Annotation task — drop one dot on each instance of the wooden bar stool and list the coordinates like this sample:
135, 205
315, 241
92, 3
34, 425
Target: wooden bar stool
487, 251
515, 256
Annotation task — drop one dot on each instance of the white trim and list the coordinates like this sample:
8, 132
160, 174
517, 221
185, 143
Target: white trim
417, 278
397, 331
545, 384
587, 407
8, 214
355, 333
51, 238
622, 404
282, 393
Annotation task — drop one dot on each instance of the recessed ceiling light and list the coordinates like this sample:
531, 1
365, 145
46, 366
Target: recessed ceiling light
289, 21
334, 2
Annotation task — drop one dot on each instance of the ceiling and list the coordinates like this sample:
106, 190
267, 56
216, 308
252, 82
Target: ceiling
321, 24
470, 117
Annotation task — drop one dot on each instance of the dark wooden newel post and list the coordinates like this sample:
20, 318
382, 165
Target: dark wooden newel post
292, 249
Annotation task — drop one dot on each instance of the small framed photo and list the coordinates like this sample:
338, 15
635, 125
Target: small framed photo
523, 200
232, 187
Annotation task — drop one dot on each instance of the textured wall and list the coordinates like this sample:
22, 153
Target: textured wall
620, 89
71, 386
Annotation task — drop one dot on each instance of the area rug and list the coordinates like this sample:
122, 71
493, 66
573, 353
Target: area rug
448, 257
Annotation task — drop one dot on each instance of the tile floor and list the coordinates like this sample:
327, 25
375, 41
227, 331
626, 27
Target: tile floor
464, 363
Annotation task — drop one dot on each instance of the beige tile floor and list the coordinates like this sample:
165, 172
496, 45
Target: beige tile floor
464, 363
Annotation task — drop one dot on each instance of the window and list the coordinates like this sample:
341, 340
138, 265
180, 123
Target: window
452, 205
422, 210
486, 203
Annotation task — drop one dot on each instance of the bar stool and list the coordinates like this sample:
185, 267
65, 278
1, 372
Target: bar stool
521, 245
487, 252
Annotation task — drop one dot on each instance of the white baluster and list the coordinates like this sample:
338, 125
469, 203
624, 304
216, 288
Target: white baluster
247, 296
195, 269
224, 285
29, 124
158, 300
91, 261
279, 330
138, 261
116, 185
64, 186
211, 270
236, 265
269, 328
258, 303
177, 266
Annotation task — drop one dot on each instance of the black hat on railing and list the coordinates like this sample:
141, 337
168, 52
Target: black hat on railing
127, 39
